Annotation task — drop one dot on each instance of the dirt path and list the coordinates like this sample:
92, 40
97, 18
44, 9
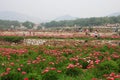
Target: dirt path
68, 41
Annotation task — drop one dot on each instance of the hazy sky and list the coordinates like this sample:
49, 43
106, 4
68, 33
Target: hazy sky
50, 9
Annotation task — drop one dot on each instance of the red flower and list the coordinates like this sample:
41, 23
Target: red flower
97, 61
26, 79
112, 74
45, 71
19, 69
116, 76
94, 78
12, 63
23, 72
110, 78
70, 66
53, 68
59, 71
8, 69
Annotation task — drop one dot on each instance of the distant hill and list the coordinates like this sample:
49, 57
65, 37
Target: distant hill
8, 15
115, 14
65, 17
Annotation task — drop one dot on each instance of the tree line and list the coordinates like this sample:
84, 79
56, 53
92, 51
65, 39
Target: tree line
7, 24
93, 21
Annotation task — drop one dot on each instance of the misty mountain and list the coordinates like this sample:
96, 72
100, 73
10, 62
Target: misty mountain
115, 14
65, 17
8, 15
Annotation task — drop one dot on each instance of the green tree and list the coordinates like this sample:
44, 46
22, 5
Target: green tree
28, 24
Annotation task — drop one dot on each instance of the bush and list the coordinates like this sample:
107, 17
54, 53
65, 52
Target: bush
15, 39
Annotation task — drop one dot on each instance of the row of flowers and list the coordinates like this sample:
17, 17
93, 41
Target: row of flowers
58, 35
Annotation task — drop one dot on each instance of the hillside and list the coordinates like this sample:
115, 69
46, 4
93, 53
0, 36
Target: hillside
8, 15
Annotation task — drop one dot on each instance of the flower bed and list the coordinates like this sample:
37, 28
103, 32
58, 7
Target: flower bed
67, 62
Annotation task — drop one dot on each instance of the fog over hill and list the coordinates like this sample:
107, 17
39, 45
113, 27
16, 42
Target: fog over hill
9, 15
115, 14
65, 17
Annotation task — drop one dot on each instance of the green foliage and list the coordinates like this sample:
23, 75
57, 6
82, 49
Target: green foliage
84, 64
6, 24
33, 76
118, 62
15, 39
107, 67
12, 76
73, 72
28, 24
88, 75
104, 49
51, 75
107, 49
